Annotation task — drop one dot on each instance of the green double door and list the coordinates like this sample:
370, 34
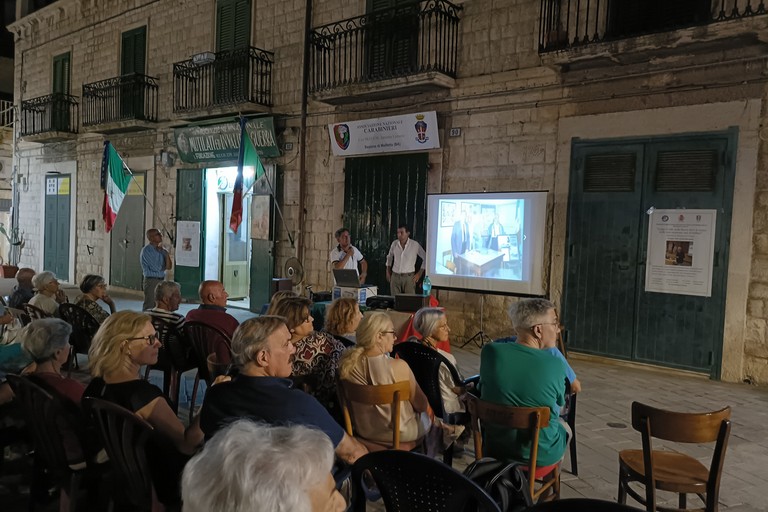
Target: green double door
606, 309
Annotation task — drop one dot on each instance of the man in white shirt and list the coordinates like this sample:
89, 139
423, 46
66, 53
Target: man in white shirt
346, 255
401, 262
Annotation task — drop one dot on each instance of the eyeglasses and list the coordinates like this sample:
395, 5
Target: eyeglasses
150, 339
388, 332
556, 324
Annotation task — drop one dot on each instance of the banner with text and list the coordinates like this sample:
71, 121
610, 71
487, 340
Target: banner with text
409, 132
681, 248
221, 142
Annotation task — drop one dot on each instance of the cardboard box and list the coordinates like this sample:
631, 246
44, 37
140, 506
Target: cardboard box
356, 293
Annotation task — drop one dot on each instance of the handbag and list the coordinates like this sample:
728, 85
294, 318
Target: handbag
505, 482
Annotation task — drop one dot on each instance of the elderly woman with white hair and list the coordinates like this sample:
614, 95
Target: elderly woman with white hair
46, 341
250, 466
432, 324
49, 295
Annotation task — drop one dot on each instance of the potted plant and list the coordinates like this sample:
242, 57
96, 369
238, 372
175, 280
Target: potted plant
15, 245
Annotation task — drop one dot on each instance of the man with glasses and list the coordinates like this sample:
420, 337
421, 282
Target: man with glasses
523, 374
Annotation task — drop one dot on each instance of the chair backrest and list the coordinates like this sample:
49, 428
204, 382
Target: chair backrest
680, 427
124, 436
175, 349
54, 422
425, 365
20, 315
84, 326
34, 312
532, 419
384, 394
411, 481
204, 338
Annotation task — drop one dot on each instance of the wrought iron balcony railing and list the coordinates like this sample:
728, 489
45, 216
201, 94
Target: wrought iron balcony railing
415, 37
566, 24
229, 77
55, 112
122, 98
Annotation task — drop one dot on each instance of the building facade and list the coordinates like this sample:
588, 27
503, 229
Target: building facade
614, 110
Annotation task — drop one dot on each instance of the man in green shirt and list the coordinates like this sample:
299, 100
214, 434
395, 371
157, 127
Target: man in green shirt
523, 374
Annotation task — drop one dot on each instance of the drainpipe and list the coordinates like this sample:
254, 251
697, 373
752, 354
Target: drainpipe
303, 141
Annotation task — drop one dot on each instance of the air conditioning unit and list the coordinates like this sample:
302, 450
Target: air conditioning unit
203, 58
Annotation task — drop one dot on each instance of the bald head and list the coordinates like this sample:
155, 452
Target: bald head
24, 277
213, 293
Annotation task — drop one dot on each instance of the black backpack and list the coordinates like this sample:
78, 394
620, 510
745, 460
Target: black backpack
505, 482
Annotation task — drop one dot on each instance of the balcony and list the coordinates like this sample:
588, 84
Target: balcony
49, 118
627, 31
121, 104
214, 84
408, 49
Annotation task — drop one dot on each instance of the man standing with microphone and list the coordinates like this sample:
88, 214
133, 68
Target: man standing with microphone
155, 260
346, 255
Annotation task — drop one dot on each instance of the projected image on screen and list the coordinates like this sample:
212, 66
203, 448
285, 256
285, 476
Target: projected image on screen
485, 242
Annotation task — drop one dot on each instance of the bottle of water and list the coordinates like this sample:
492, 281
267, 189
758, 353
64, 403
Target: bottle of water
426, 286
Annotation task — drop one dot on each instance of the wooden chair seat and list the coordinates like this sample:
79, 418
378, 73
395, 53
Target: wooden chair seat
673, 471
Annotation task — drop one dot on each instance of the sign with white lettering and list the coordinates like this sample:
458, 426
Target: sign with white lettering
409, 132
221, 142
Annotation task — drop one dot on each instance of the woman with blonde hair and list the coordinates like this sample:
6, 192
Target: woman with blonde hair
341, 320
124, 343
317, 353
369, 363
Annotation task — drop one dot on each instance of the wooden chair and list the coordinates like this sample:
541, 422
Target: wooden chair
414, 482
532, 419
34, 312
387, 394
125, 436
84, 327
425, 364
58, 431
674, 471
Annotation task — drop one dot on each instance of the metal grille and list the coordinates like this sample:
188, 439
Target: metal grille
610, 172
694, 170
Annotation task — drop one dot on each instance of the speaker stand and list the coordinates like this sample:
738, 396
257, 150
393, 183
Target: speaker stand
480, 338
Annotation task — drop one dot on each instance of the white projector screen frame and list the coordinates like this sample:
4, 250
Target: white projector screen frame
504, 257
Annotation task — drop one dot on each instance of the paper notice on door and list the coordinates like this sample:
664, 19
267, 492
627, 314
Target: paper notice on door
187, 243
681, 249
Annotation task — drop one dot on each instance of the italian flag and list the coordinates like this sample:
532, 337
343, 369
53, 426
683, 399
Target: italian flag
115, 178
248, 157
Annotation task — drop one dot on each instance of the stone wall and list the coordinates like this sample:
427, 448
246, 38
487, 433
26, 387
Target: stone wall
517, 111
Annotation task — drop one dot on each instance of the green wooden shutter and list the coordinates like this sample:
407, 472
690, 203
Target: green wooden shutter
190, 205
133, 59
61, 64
233, 24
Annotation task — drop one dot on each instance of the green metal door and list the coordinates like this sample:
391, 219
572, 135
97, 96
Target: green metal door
605, 306
190, 206
234, 254
262, 236
603, 234
380, 193
128, 237
57, 218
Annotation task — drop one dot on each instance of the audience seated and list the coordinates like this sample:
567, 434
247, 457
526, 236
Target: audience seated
13, 359
316, 362
262, 350
125, 342
48, 296
213, 312
47, 343
94, 287
523, 374
167, 300
432, 324
24, 290
248, 467
368, 363
342, 318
